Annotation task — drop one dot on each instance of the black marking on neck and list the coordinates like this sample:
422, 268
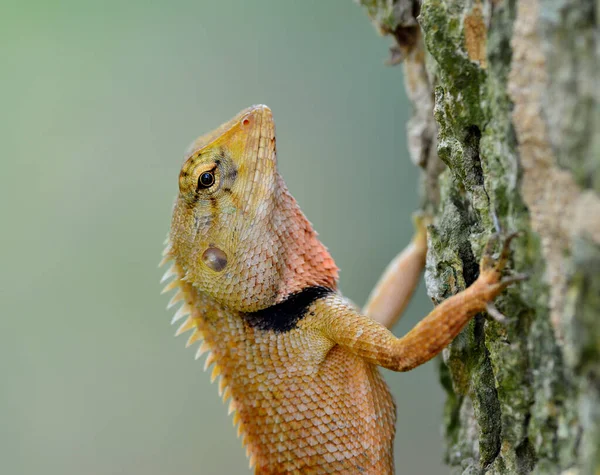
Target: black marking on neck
285, 315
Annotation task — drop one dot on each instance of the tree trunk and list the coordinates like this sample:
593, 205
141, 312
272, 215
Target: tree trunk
506, 98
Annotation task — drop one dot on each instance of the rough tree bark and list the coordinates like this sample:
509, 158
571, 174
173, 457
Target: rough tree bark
506, 98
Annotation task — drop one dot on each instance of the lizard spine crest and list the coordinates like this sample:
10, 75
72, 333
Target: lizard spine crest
193, 323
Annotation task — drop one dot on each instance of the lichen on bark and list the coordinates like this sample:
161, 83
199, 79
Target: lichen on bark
506, 123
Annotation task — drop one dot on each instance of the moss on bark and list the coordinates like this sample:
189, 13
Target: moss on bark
511, 90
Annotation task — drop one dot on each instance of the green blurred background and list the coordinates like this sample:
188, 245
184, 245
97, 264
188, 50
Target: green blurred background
98, 101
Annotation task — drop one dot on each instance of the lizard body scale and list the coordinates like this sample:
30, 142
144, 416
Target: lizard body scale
296, 360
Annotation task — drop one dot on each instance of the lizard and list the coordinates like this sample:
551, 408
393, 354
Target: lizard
297, 361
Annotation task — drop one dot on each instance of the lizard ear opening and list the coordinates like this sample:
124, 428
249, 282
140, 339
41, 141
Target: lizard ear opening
215, 259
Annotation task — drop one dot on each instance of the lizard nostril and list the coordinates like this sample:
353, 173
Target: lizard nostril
215, 258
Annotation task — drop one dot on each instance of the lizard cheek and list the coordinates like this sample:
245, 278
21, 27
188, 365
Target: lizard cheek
215, 259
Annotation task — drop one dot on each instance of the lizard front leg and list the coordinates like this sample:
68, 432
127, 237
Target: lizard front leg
368, 339
393, 291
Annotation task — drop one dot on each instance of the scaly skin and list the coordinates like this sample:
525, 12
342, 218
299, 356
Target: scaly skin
298, 361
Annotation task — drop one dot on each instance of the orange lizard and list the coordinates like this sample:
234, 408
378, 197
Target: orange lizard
297, 360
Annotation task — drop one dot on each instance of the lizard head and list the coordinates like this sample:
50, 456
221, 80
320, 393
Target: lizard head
236, 233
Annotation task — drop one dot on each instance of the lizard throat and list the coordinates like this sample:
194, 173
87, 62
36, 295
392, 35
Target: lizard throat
285, 315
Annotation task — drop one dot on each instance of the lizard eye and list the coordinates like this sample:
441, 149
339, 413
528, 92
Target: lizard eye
206, 180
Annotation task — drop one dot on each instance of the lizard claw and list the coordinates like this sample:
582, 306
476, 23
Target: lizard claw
491, 267
495, 313
488, 263
505, 252
509, 279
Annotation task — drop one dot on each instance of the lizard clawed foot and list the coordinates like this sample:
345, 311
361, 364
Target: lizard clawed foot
491, 268
488, 262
